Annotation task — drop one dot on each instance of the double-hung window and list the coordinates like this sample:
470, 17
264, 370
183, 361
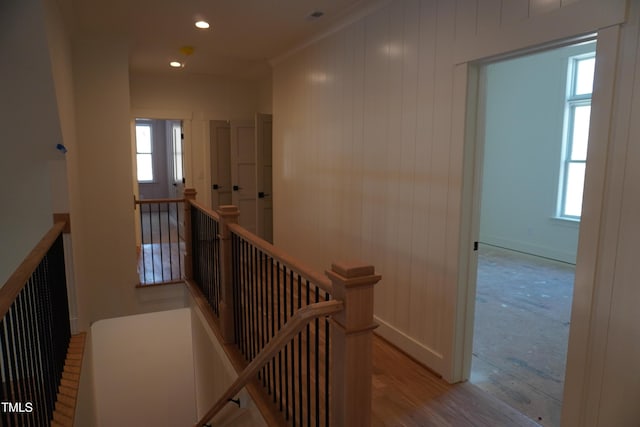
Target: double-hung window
576, 135
144, 151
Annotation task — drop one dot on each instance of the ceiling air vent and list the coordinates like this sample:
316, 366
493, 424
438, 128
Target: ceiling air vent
315, 15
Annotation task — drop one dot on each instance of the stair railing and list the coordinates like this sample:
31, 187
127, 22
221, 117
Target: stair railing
304, 337
161, 241
34, 332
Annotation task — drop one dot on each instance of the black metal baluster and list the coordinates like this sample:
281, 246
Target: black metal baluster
317, 370
162, 248
6, 375
250, 304
254, 303
243, 284
153, 263
308, 378
25, 356
262, 312
13, 374
247, 286
279, 326
300, 351
33, 353
273, 320
285, 349
208, 272
327, 358
144, 255
236, 294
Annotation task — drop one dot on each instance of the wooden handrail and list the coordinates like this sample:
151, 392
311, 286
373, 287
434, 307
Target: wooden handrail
19, 278
205, 210
155, 201
295, 324
322, 281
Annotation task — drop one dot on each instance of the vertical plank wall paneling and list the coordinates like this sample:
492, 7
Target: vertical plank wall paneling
368, 153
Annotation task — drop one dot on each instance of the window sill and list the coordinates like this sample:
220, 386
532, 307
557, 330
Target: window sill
573, 222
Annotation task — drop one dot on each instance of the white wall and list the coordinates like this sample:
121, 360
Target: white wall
369, 162
100, 181
197, 99
214, 373
524, 116
143, 370
29, 163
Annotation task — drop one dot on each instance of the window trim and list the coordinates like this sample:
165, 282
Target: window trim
149, 124
572, 101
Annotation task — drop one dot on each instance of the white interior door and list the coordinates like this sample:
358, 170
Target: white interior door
264, 125
243, 172
220, 140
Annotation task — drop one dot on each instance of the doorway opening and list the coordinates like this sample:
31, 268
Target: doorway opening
159, 174
533, 124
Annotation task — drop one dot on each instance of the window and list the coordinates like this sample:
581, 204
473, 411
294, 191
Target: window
576, 136
144, 152
178, 173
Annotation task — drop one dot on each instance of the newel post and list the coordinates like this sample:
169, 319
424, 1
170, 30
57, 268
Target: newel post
189, 194
351, 343
228, 215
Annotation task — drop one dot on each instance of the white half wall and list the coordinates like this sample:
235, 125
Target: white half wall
32, 169
143, 370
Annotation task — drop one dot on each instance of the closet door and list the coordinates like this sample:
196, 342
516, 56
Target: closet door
264, 176
243, 172
220, 140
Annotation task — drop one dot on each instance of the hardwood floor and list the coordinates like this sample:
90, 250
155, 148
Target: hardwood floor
407, 394
522, 320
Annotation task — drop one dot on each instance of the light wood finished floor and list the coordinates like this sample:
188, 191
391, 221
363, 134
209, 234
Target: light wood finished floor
407, 394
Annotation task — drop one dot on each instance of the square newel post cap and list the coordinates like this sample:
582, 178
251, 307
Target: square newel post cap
353, 273
190, 193
228, 211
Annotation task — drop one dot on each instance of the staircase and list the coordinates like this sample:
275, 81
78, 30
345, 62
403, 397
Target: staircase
68, 389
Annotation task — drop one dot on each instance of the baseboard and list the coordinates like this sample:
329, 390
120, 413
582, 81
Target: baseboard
417, 350
530, 248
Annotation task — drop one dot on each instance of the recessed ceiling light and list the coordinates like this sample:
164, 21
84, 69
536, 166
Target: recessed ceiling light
202, 24
176, 64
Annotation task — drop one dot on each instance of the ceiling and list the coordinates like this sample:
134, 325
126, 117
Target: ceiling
244, 34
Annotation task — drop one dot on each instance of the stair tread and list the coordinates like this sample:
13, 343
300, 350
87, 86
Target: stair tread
65, 410
72, 369
68, 391
70, 383
62, 419
71, 376
68, 388
74, 362
69, 401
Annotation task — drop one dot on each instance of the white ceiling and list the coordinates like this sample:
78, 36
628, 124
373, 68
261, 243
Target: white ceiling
244, 34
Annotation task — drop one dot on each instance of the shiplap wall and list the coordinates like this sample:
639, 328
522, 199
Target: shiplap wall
368, 148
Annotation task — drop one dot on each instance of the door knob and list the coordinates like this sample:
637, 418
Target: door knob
262, 195
236, 188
